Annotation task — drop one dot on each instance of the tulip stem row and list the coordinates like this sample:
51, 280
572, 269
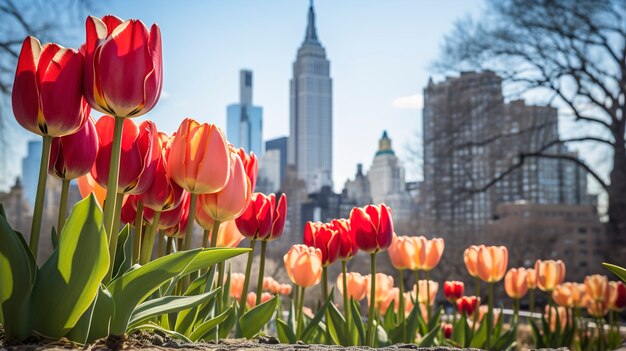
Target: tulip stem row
426, 275
300, 312
346, 298
370, 317
401, 300
490, 315
138, 233
148, 242
65, 189
259, 286
246, 281
35, 229
325, 296
112, 185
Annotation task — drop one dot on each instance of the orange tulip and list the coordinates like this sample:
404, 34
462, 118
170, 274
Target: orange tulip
597, 287
393, 295
228, 235
424, 290
250, 164
251, 298
270, 284
384, 283
236, 285
401, 252
199, 159
569, 295
482, 313
88, 185
550, 273
617, 296
47, 95
304, 265
492, 262
428, 252
562, 314
123, 66
230, 202
470, 257
284, 289
531, 278
356, 285
515, 283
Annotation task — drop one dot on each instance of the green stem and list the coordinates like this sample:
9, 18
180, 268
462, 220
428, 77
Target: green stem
205, 238
190, 221
515, 309
259, 286
138, 233
168, 246
324, 298
246, 281
600, 326
115, 230
346, 298
35, 229
179, 244
477, 280
160, 244
300, 317
426, 274
490, 316
214, 233
531, 303
401, 299
372, 310
148, 242
112, 187
65, 189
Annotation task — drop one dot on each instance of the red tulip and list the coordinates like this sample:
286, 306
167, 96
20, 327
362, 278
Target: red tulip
172, 216
73, 155
123, 66
347, 246
453, 290
324, 237
47, 92
163, 193
372, 227
129, 209
468, 304
447, 330
139, 155
263, 219
250, 164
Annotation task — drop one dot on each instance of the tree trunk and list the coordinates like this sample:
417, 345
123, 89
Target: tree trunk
617, 204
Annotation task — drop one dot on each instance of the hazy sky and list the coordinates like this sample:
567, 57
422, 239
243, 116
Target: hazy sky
379, 52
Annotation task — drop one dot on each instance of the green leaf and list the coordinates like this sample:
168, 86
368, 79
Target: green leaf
412, 323
255, 319
88, 328
429, 339
153, 326
506, 340
18, 272
168, 304
337, 325
284, 333
306, 333
187, 318
389, 319
123, 253
617, 270
480, 337
227, 325
381, 336
210, 256
201, 331
434, 318
69, 280
134, 286
536, 334
458, 331
54, 238
357, 321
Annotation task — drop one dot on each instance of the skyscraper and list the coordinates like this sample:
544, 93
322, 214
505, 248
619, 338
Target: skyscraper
311, 122
244, 121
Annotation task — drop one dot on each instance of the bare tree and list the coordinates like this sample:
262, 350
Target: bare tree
46, 20
575, 51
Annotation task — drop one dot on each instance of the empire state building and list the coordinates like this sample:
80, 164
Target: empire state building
311, 116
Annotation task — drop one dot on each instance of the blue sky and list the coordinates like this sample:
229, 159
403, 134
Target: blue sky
379, 52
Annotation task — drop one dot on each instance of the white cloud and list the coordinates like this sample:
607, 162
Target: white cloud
413, 102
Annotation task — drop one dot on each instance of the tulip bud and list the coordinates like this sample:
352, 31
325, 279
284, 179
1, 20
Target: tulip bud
492, 262
88, 185
402, 252
428, 252
250, 164
228, 235
617, 296
427, 291
73, 155
470, 257
163, 193
515, 283
347, 244
372, 226
531, 278
569, 295
47, 92
325, 238
263, 219
597, 287
123, 66
356, 285
384, 283
447, 330
468, 304
304, 265
549, 274
453, 290
236, 285
393, 295
129, 209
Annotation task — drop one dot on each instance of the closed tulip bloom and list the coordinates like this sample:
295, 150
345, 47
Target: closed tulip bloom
356, 284
617, 296
531, 278
325, 238
250, 164
401, 252
597, 287
123, 66
199, 159
173, 222
372, 226
129, 209
138, 159
279, 217
347, 247
87, 185
73, 155
304, 265
597, 309
428, 252
230, 202
447, 330
558, 314
393, 295
550, 273
470, 257
257, 219
47, 94
468, 304
492, 262
432, 288
453, 290
482, 313
569, 295
228, 235
515, 283
285, 289
384, 283
270, 284
163, 193
236, 285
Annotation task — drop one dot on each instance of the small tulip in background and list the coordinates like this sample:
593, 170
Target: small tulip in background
516, 286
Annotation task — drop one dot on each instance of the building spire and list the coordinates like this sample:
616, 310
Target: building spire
311, 32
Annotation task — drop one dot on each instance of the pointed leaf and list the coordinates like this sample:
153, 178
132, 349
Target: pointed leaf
187, 318
168, 304
153, 326
227, 325
429, 339
315, 321
357, 322
201, 331
284, 333
255, 319
54, 238
123, 253
337, 326
617, 270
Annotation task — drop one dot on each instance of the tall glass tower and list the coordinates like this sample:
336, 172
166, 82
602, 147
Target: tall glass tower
244, 122
311, 116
